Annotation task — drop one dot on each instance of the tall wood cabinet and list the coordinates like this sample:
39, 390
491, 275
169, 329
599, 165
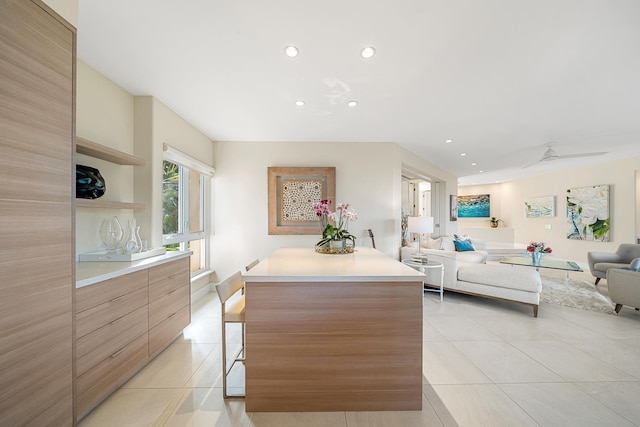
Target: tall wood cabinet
37, 110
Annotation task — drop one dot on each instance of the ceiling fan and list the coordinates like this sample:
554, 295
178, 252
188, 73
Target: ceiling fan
551, 154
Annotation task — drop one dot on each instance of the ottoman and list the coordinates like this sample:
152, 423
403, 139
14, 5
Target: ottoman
517, 284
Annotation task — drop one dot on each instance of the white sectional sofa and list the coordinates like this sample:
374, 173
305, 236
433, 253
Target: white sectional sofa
467, 272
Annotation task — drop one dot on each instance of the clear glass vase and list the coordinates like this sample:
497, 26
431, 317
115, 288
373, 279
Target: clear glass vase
111, 233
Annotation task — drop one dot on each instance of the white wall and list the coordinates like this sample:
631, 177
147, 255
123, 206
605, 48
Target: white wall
507, 203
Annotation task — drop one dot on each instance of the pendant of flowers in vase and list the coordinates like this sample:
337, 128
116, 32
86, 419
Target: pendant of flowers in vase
336, 238
537, 249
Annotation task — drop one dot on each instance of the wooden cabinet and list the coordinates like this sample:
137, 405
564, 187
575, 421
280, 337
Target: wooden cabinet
37, 110
169, 302
123, 322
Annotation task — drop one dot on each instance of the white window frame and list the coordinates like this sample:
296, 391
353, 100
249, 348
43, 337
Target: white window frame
184, 236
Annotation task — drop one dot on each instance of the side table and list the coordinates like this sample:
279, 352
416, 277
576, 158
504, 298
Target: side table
422, 266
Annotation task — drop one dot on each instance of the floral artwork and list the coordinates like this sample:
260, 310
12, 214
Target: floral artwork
588, 213
540, 207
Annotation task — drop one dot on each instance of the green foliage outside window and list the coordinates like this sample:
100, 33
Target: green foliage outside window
170, 187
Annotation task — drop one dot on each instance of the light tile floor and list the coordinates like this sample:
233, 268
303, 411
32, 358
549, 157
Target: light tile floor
486, 363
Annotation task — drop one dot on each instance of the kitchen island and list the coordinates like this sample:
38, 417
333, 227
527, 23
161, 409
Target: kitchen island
333, 333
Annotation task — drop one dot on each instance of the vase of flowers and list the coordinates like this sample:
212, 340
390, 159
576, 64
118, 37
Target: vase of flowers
537, 249
336, 238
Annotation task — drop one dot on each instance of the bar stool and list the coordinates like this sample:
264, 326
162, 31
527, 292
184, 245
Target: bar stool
232, 313
252, 264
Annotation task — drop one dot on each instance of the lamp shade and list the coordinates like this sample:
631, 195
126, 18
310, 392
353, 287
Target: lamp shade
420, 224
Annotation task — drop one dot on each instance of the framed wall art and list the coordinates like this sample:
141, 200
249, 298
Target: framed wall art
453, 207
474, 206
540, 207
588, 213
292, 193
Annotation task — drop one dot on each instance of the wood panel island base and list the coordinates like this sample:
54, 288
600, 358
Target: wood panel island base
333, 333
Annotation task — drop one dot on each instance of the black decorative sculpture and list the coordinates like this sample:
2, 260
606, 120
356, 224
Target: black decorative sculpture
89, 183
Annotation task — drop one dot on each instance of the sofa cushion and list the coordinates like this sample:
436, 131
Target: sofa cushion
524, 279
635, 265
476, 257
604, 266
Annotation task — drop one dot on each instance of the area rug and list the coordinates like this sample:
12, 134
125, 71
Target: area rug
576, 294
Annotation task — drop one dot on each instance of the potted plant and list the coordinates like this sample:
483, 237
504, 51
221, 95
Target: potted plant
494, 222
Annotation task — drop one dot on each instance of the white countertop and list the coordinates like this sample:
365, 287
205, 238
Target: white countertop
306, 265
88, 273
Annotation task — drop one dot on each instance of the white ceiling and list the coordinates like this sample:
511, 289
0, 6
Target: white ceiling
501, 78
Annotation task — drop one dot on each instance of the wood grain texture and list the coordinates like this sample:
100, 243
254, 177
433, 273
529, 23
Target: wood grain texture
96, 384
93, 348
37, 64
110, 290
93, 149
334, 346
168, 277
161, 335
96, 317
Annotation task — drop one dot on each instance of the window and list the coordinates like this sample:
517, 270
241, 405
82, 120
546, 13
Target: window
184, 207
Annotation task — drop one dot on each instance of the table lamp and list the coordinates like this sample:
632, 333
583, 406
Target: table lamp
420, 225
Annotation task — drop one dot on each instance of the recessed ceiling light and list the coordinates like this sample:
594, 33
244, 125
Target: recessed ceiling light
448, 141
481, 171
300, 103
352, 103
474, 164
463, 154
291, 51
367, 52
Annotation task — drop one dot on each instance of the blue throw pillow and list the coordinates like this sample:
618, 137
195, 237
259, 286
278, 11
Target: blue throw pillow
635, 265
463, 245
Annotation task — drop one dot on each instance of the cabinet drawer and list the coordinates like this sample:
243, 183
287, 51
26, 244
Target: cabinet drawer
107, 340
96, 317
111, 372
109, 290
168, 277
168, 305
165, 331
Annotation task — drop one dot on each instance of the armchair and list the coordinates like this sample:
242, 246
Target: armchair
624, 287
600, 262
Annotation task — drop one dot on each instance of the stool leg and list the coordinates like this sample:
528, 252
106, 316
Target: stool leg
224, 358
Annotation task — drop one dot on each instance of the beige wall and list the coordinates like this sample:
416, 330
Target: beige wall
108, 115
368, 176
104, 114
507, 203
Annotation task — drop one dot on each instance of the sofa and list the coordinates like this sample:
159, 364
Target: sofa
624, 287
467, 272
600, 262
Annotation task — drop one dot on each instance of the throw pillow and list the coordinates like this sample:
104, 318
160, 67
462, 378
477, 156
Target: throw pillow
447, 244
463, 245
635, 265
430, 243
462, 237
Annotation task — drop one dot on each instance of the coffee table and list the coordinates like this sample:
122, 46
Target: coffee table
421, 265
545, 262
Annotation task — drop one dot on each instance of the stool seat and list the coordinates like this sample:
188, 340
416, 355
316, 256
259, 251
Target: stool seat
235, 311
